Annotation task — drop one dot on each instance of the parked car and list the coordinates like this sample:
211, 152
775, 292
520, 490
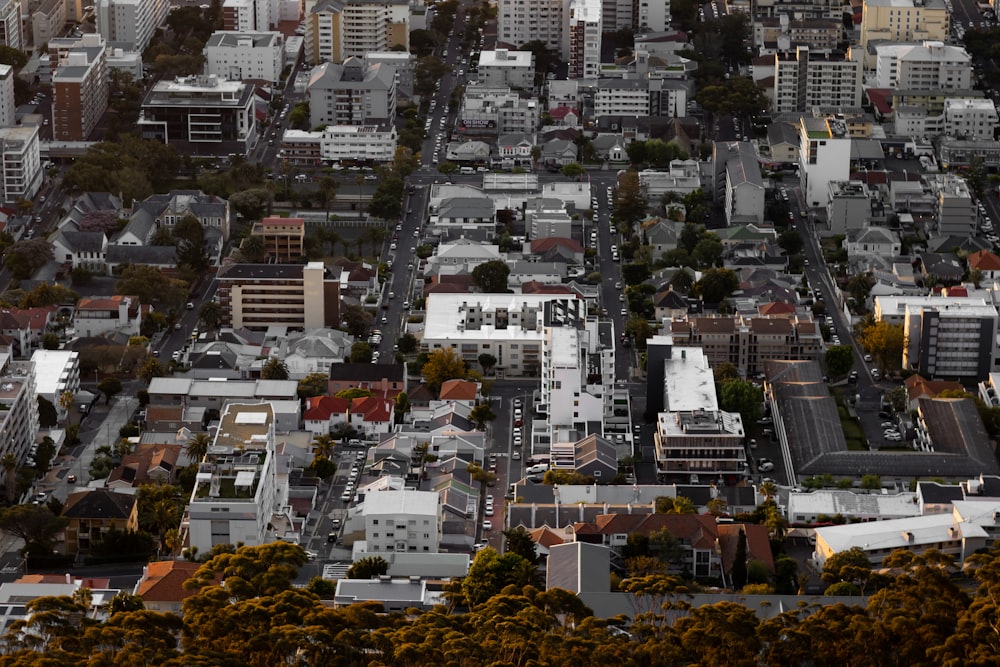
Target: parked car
765, 465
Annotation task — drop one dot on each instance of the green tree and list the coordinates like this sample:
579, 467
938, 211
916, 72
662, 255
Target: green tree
210, 314
678, 505
153, 287
742, 396
848, 565
442, 365
189, 236
47, 414
47, 294
274, 369
791, 241
197, 447
716, 285
150, 369
27, 256
739, 97
367, 568
110, 386
481, 414
361, 353
629, 203
314, 384
708, 251
518, 541
9, 463
490, 573
487, 361
572, 170
407, 343
35, 524
491, 276
839, 360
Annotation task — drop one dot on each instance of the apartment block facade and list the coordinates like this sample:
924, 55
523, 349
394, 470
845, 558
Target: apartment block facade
950, 341
11, 26
336, 30
583, 33
8, 105
283, 238
353, 93
297, 296
20, 162
824, 156
904, 21
80, 90
805, 79
217, 115
747, 342
245, 56
130, 24
522, 21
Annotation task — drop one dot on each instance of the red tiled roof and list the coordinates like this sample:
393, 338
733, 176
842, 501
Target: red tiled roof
539, 246
164, 581
535, 287
984, 260
881, 99
560, 112
776, 308
284, 222
321, 408
459, 390
546, 537
373, 409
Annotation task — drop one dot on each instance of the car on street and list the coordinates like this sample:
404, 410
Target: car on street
487, 525
765, 465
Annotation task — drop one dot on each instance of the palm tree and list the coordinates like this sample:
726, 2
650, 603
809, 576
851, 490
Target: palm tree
274, 369
9, 463
376, 235
328, 187
172, 541
164, 515
210, 314
323, 446
769, 490
197, 446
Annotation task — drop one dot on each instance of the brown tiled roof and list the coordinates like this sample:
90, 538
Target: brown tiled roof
164, 581
458, 390
758, 544
697, 530
704, 325
984, 260
776, 308
917, 386
544, 245
546, 537
770, 325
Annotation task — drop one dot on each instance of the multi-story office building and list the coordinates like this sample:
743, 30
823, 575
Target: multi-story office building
297, 296
215, 114
245, 56
11, 26
496, 111
283, 238
950, 340
824, 156
80, 90
130, 24
805, 79
903, 21
352, 94
238, 496
583, 35
7, 104
641, 97
20, 162
747, 342
504, 68
523, 21
336, 30
403, 521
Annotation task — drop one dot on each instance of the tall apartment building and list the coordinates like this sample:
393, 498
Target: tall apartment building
245, 56
956, 209
250, 15
129, 24
738, 182
926, 66
48, 18
903, 21
19, 418
56, 372
693, 437
7, 104
640, 97
575, 402
824, 156
583, 36
217, 115
238, 496
352, 94
805, 79
849, 206
950, 340
523, 21
652, 16
20, 162
297, 296
339, 29
11, 26
80, 90
496, 111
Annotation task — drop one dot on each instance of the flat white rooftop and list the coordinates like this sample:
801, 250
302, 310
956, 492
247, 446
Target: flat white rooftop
689, 383
404, 502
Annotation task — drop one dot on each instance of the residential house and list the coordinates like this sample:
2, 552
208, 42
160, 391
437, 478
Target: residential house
941, 267
918, 387
592, 456
26, 326
515, 150
460, 391
469, 151
872, 242
113, 314
986, 263
161, 586
660, 234
669, 304
147, 464
559, 152
372, 415
384, 380
324, 414
91, 514
404, 521
314, 351
564, 116
556, 249
84, 250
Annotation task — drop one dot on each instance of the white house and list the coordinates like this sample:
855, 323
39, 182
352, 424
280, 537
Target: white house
872, 242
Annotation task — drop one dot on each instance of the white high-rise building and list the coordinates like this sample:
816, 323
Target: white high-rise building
824, 156
130, 24
7, 105
11, 27
20, 162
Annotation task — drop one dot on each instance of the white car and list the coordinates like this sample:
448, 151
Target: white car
765, 465
487, 525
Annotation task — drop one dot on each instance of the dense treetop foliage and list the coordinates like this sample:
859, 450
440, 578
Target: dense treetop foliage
925, 612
